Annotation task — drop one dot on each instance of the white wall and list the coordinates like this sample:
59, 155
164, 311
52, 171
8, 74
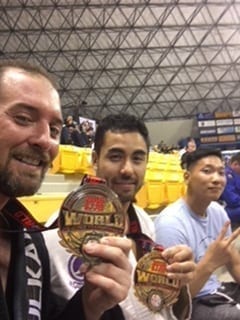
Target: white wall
171, 131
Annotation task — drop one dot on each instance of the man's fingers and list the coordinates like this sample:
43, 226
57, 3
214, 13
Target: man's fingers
233, 237
123, 243
183, 271
178, 253
223, 231
111, 249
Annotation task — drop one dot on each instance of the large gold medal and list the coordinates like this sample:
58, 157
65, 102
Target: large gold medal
88, 214
152, 286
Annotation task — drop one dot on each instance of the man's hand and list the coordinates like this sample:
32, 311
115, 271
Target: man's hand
107, 283
219, 253
181, 265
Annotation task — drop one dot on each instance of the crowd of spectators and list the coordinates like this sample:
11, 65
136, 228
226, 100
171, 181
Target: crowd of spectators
162, 147
78, 134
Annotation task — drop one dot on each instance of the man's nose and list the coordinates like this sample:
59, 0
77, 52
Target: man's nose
217, 177
127, 167
41, 136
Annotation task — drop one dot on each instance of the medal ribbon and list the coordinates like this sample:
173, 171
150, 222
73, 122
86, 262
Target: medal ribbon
144, 244
19, 213
153, 289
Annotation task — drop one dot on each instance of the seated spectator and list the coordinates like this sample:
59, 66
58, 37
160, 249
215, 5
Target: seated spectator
162, 147
199, 221
67, 129
158, 147
231, 193
78, 137
82, 137
189, 147
90, 136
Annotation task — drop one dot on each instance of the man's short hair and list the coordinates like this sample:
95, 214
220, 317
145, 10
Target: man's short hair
235, 157
192, 157
121, 122
28, 68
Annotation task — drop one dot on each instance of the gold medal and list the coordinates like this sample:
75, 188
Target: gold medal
88, 214
152, 286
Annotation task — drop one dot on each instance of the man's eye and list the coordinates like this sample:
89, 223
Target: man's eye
139, 159
23, 120
115, 157
206, 170
55, 132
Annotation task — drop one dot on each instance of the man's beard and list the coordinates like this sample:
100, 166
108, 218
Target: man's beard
125, 199
13, 186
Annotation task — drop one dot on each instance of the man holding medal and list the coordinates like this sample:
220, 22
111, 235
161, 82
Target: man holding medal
31, 123
159, 276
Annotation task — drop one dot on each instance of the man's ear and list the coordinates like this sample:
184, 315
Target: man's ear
186, 176
94, 160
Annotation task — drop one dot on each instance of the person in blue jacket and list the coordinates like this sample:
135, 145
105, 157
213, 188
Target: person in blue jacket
231, 193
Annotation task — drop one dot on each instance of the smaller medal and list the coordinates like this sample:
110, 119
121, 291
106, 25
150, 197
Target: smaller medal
152, 286
87, 214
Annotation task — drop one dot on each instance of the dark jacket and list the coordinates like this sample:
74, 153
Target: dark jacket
231, 194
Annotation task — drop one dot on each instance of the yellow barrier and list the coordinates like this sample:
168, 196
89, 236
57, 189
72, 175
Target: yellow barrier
86, 165
142, 197
42, 206
72, 159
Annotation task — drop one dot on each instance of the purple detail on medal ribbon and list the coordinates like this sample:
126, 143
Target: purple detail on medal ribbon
74, 264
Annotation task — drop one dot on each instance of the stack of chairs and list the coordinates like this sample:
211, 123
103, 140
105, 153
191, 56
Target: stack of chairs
72, 159
155, 181
164, 181
174, 180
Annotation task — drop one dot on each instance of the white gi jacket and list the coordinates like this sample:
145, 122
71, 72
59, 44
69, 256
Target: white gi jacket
71, 280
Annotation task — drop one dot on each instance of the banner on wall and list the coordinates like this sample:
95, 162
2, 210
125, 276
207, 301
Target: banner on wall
87, 123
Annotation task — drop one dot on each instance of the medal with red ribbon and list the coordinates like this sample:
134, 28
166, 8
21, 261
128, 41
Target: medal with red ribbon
89, 213
152, 285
